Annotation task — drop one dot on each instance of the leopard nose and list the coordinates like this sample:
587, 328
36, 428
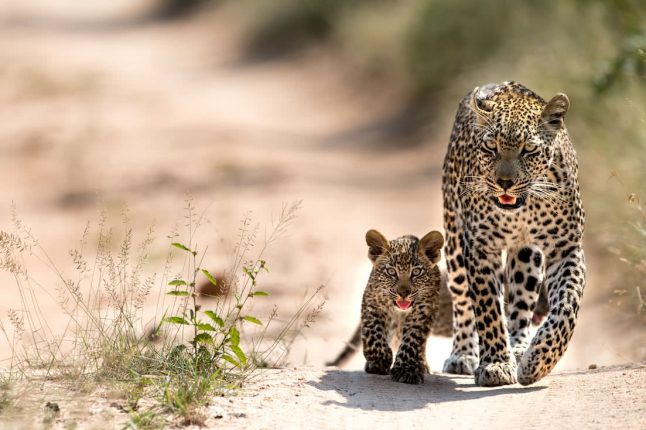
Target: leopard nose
505, 183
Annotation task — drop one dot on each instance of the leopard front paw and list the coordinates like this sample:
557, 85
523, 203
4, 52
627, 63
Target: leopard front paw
495, 374
408, 373
378, 367
460, 364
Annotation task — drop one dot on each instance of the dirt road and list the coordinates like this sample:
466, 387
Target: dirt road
607, 398
315, 398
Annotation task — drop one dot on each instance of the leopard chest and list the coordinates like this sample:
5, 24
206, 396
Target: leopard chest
491, 229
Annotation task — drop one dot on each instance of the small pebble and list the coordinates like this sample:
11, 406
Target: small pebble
216, 412
51, 406
592, 366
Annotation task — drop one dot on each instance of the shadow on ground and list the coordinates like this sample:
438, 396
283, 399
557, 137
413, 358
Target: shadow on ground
375, 392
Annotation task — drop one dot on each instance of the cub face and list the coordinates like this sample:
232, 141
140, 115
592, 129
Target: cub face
404, 269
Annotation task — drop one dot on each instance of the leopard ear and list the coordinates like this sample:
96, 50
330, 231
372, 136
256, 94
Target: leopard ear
377, 244
431, 246
480, 104
555, 111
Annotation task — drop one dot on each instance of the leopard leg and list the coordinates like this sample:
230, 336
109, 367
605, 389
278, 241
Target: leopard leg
464, 353
525, 269
565, 283
497, 365
375, 339
410, 363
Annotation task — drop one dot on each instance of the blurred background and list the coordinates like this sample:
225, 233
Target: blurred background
131, 106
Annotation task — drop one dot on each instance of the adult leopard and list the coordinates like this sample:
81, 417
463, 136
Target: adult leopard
510, 189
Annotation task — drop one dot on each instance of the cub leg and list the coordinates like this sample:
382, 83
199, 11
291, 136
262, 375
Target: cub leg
525, 270
374, 337
410, 362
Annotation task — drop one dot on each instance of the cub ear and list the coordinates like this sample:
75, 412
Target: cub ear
377, 244
555, 111
431, 246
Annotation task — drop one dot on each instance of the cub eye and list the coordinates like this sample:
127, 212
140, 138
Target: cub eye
416, 271
391, 271
529, 148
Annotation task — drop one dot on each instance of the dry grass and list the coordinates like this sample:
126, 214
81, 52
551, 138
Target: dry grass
174, 348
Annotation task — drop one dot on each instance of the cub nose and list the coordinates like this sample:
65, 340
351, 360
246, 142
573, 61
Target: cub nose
505, 183
403, 290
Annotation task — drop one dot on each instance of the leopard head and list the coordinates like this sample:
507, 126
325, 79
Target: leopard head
515, 133
405, 269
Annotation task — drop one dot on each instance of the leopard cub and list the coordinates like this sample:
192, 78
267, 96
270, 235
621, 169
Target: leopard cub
399, 304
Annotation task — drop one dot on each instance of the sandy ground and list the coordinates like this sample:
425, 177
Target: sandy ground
309, 398
604, 398
99, 116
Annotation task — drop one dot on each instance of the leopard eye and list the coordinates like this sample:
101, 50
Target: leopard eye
490, 144
391, 271
530, 148
416, 271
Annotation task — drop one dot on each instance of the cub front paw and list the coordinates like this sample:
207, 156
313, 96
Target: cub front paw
408, 373
495, 374
378, 367
460, 364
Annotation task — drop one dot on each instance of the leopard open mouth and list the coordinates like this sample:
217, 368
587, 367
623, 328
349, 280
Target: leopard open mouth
505, 201
403, 304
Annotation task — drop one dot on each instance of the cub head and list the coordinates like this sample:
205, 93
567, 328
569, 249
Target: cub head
516, 133
405, 268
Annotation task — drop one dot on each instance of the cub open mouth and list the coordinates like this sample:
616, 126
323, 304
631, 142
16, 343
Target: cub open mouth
505, 201
403, 304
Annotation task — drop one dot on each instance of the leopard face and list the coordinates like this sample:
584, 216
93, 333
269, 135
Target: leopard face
404, 269
516, 136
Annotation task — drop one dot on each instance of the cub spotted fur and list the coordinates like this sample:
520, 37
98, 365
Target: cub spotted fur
442, 326
399, 304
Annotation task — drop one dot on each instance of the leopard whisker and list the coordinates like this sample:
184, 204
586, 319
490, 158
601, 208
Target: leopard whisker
548, 191
472, 185
548, 195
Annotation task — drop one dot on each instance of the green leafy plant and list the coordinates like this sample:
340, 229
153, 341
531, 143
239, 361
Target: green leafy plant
215, 337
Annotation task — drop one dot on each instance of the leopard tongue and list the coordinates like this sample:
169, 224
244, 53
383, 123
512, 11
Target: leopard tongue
506, 199
403, 303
